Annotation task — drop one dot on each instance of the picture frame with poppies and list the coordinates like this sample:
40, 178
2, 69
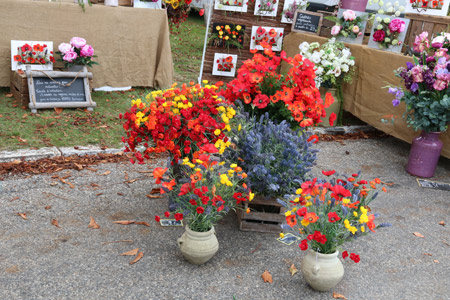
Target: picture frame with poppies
224, 64
266, 8
231, 5
36, 54
428, 7
271, 35
227, 35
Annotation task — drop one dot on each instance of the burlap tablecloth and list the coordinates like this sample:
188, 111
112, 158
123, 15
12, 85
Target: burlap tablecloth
132, 44
364, 97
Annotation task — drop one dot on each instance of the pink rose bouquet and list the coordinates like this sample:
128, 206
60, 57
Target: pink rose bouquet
349, 15
349, 25
387, 31
77, 52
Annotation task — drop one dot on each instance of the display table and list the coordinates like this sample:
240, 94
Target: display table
364, 97
132, 44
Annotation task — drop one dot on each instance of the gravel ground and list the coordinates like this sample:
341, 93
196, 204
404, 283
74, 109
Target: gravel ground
41, 261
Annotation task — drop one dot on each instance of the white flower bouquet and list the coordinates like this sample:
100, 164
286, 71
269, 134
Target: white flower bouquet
334, 62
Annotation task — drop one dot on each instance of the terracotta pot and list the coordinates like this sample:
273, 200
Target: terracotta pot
322, 271
198, 247
334, 107
424, 154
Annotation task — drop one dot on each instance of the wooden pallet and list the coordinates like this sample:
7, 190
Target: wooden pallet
419, 23
266, 215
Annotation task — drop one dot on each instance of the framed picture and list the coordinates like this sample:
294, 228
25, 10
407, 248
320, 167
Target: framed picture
272, 35
36, 54
289, 8
147, 4
427, 7
358, 40
227, 35
266, 8
231, 5
224, 64
392, 8
387, 30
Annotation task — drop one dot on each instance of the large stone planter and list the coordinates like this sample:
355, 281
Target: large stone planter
322, 271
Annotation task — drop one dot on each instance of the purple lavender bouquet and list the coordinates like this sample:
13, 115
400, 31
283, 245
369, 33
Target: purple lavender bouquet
426, 90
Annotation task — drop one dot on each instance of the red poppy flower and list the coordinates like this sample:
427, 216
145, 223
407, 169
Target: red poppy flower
302, 212
157, 218
344, 254
370, 223
354, 257
186, 188
38, 48
193, 202
178, 216
313, 138
328, 173
247, 98
260, 31
238, 197
196, 177
307, 186
303, 245
168, 185
17, 58
272, 32
328, 100
310, 237
167, 214
229, 59
210, 148
333, 217
338, 191
261, 101
158, 174
200, 210
306, 122
332, 118
323, 239
291, 220
311, 217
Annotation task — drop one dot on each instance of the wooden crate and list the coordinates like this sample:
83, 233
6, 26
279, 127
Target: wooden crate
19, 87
419, 23
125, 2
266, 215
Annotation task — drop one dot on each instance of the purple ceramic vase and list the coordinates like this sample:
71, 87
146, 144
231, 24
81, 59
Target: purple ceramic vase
357, 5
424, 154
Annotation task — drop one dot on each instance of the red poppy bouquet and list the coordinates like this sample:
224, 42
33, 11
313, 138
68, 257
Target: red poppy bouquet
292, 97
207, 191
326, 214
36, 54
185, 121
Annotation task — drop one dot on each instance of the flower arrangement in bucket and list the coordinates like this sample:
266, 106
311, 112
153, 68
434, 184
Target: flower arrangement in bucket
387, 31
426, 96
348, 26
325, 214
228, 35
292, 96
207, 191
34, 54
77, 52
334, 65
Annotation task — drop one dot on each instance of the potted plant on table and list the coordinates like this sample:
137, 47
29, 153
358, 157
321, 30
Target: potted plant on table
76, 55
334, 66
426, 94
325, 214
207, 192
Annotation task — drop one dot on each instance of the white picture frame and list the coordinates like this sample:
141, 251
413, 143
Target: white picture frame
358, 40
375, 7
275, 47
442, 11
222, 5
145, 4
401, 37
219, 58
272, 13
15, 44
286, 5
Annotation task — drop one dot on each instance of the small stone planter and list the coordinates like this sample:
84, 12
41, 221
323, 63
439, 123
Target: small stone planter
322, 271
198, 247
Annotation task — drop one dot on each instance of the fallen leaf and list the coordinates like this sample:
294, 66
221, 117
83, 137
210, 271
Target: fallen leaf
153, 196
137, 258
418, 234
293, 270
98, 194
80, 167
91, 169
16, 161
155, 191
93, 224
442, 223
338, 296
142, 223
429, 254
120, 194
55, 223
436, 261
130, 253
47, 207
124, 222
8, 95
58, 110
113, 242
131, 180
70, 184
53, 183
126, 176
94, 185
267, 277
23, 215
14, 199
106, 173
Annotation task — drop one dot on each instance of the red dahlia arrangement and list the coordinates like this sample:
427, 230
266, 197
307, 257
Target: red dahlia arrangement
324, 214
292, 97
207, 191
186, 122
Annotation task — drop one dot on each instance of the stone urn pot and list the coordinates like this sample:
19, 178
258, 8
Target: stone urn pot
198, 247
322, 271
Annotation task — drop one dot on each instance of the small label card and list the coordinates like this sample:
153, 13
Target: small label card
288, 239
170, 222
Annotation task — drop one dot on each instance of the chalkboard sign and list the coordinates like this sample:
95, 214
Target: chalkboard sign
307, 22
51, 89
433, 184
48, 90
